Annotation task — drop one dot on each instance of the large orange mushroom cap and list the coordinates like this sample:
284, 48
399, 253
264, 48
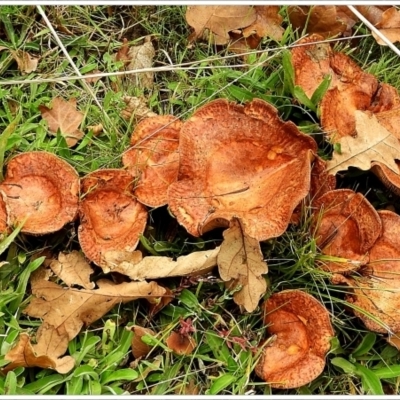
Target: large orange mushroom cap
240, 161
347, 227
154, 158
44, 189
303, 332
111, 218
376, 291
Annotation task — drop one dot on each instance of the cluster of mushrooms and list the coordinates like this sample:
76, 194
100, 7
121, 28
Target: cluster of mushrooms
238, 161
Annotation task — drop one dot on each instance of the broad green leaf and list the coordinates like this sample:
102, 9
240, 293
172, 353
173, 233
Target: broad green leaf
87, 371
288, 72
392, 371
370, 382
221, 383
10, 385
321, 90
366, 345
345, 365
299, 94
189, 299
126, 374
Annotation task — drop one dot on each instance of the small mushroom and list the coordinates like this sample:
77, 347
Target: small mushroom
375, 294
111, 218
301, 331
240, 161
347, 227
42, 188
181, 344
154, 158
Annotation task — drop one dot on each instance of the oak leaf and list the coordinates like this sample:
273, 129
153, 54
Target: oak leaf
240, 261
142, 57
152, 267
268, 23
70, 309
73, 269
63, 116
218, 21
51, 344
372, 143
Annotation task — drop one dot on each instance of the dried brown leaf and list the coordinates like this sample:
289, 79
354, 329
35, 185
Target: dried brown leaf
139, 348
137, 108
26, 62
372, 143
70, 309
268, 23
240, 259
63, 116
153, 267
181, 344
141, 57
73, 269
219, 20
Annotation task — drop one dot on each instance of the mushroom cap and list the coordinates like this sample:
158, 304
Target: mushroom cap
377, 291
3, 214
240, 161
44, 189
181, 344
303, 332
385, 99
347, 227
311, 63
111, 218
154, 158
337, 111
388, 177
321, 180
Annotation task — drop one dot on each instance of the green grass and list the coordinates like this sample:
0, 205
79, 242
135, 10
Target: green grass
359, 360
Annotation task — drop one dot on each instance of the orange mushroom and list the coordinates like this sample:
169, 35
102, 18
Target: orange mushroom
347, 227
302, 332
181, 344
375, 294
154, 158
111, 218
240, 161
41, 188
3, 214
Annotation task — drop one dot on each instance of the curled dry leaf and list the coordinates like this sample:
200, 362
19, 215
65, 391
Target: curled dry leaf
303, 331
73, 269
240, 161
139, 348
217, 21
375, 294
373, 143
111, 218
141, 57
268, 23
136, 107
181, 344
63, 116
153, 267
71, 309
389, 25
44, 189
25, 61
154, 158
347, 227
324, 20
50, 346
240, 261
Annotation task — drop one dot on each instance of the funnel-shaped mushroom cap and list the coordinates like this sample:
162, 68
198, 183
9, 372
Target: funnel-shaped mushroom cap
311, 63
111, 218
44, 189
243, 162
303, 332
385, 99
154, 158
377, 291
347, 227
388, 177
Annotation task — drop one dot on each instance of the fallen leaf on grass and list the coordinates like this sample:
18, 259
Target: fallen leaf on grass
137, 108
72, 309
73, 269
389, 26
240, 259
372, 143
139, 348
153, 267
138, 57
51, 344
268, 23
218, 21
63, 116
26, 63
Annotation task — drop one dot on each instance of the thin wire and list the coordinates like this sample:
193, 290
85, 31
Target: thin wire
76, 69
374, 29
177, 67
